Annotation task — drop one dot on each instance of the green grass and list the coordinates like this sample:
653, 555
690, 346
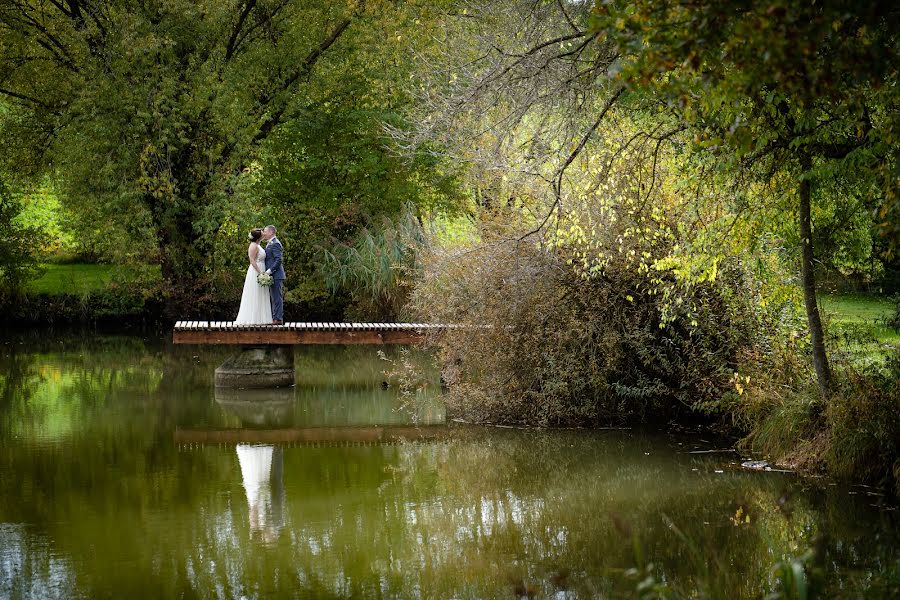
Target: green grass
83, 278
853, 318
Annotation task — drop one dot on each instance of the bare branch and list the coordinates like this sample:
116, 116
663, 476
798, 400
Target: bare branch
571, 23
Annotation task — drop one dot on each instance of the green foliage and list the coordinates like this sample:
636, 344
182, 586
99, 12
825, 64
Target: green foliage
377, 268
855, 434
42, 209
19, 244
864, 425
791, 580
893, 320
119, 304
769, 82
859, 325
333, 158
165, 107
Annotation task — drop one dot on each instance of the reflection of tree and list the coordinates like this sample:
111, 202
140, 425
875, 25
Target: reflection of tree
50, 395
334, 405
84, 452
509, 509
29, 568
523, 509
15, 368
353, 365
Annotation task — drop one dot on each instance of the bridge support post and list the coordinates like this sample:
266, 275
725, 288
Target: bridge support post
258, 367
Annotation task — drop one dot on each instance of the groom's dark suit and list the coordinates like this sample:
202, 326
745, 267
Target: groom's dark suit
274, 251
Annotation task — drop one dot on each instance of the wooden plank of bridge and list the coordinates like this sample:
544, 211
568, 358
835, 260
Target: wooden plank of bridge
230, 333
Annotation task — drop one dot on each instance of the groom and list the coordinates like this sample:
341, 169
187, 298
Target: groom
274, 268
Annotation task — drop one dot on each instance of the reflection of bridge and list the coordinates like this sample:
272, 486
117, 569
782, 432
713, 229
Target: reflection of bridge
290, 334
301, 416
313, 436
275, 419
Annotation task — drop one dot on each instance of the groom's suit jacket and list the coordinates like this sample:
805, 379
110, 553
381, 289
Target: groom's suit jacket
274, 251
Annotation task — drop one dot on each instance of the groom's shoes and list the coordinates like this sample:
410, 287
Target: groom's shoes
277, 322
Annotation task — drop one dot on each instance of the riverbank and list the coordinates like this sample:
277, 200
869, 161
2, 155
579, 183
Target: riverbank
777, 412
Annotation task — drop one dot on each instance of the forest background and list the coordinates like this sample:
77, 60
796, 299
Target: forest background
650, 204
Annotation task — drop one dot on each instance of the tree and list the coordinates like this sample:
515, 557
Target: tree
806, 90
153, 110
17, 241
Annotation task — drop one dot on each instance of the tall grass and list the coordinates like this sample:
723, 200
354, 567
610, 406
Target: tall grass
377, 267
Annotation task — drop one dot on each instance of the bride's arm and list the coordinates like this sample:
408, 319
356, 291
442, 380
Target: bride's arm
252, 253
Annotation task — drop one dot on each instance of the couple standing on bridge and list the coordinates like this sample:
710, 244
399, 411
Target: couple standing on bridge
262, 302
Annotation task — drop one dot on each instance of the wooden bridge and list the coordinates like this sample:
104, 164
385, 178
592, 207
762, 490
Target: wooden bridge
291, 334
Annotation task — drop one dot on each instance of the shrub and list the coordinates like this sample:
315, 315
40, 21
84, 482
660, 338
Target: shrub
893, 321
546, 344
374, 269
18, 240
863, 420
854, 433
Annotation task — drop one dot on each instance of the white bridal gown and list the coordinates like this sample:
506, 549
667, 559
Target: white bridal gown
255, 305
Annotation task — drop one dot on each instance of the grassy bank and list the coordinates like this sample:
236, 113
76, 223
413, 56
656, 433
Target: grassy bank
859, 325
84, 293
80, 278
854, 433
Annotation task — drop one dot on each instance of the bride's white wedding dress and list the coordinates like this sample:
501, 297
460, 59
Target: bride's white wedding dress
256, 307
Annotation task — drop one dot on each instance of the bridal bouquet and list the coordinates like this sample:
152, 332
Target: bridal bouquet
264, 279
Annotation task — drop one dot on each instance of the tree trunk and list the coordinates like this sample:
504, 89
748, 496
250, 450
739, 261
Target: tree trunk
181, 261
820, 358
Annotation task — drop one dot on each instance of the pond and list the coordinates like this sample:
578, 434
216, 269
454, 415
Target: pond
124, 472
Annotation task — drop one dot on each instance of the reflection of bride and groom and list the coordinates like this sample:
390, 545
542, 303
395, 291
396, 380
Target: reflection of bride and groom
261, 464
262, 469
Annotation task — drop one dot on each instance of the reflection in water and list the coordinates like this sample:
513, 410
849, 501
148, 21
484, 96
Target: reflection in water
335, 404
261, 470
28, 566
258, 408
121, 465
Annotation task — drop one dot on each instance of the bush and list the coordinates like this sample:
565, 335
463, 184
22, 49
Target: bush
18, 261
547, 344
121, 304
374, 270
893, 321
863, 420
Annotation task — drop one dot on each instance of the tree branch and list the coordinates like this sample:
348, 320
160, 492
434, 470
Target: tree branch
557, 183
232, 40
571, 23
23, 97
305, 67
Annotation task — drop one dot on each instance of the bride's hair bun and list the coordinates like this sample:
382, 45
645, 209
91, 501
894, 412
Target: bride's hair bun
254, 235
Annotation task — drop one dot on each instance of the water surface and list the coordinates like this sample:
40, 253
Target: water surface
125, 473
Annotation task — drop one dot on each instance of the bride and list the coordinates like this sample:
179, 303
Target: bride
256, 308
